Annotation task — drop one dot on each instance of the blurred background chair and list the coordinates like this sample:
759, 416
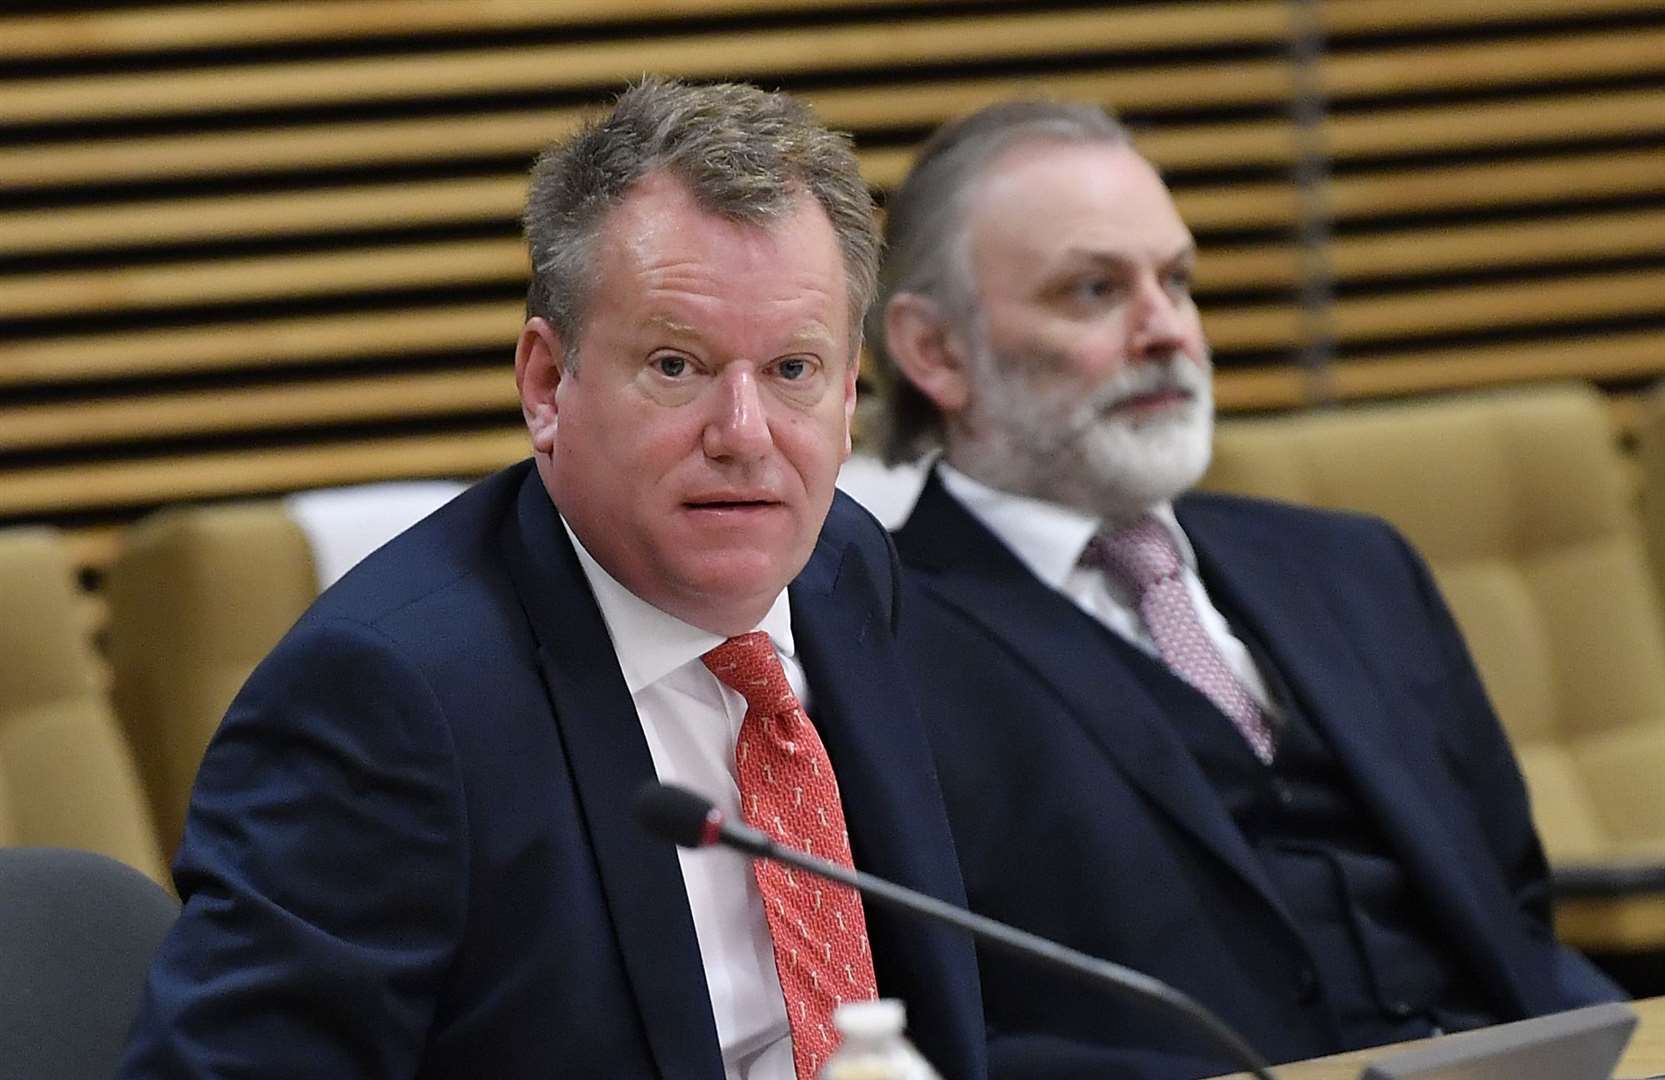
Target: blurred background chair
198, 595
77, 931
1649, 426
66, 774
1522, 505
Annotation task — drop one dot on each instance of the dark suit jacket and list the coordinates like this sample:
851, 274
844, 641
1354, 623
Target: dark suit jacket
411, 853
1080, 814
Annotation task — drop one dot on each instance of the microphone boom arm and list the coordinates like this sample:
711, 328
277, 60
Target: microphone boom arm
1130, 984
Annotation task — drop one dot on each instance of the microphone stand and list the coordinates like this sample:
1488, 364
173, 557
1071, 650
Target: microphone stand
1129, 984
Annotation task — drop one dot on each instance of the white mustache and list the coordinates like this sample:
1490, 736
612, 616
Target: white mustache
1177, 373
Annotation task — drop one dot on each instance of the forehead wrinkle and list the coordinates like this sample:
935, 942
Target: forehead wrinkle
814, 334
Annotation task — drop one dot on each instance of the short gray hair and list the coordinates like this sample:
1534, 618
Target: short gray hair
745, 154
927, 238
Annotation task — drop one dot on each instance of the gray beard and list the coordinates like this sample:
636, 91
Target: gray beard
1023, 436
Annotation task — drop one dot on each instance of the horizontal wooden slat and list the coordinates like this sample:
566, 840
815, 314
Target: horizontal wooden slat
1620, 355
270, 277
1470, 66
262, 408
1138, 88
258, 343
1259, 388
542, 68
111, 485
1491, 185
1500, 246
203, 26
1445, 249
1474, 308
187, 220
1375, 16
305, 146
1256, 266
1447, 310
1257, 327
1499, 124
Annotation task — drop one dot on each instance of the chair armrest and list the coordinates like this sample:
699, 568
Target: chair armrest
1607, 880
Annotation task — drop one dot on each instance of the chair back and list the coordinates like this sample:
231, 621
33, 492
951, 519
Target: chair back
200, 594
197, 596
67, 777
77, 932
1522, 505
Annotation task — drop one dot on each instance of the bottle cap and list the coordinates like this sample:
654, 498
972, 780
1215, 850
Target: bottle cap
870, 1019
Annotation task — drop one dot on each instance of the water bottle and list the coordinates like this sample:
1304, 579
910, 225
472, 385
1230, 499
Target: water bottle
872, 1046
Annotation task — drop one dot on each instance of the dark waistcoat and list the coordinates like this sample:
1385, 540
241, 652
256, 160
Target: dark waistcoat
1386, 972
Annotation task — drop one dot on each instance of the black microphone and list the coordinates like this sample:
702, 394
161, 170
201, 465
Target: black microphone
690, 820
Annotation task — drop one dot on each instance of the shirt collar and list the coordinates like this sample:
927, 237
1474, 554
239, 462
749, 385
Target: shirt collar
651, 643
1046, 537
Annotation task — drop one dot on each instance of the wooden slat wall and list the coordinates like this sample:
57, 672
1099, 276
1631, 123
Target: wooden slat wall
252, 247
1499, 193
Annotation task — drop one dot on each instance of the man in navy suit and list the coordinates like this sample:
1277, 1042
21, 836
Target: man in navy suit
1236, 745
410, 851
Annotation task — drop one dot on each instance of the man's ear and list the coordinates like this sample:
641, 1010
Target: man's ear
538, 371
930, 354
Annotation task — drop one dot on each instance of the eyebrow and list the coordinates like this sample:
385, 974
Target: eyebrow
816, 335
670, 326
1188, 253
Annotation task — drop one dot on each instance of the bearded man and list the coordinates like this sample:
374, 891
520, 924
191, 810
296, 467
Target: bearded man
1237, 745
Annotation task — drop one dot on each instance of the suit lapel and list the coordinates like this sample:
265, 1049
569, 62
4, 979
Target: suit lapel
968, 567
878, 751
609, 760
863, 710
1400, 779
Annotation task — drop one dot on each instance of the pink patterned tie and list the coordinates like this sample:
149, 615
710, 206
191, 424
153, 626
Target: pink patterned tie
787, 789
1143, 556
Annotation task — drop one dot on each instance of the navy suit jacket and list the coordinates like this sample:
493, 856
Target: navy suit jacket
411, 852
1080, 814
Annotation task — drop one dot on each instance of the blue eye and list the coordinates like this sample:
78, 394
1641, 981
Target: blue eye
1097, 290
793, 369
671, 366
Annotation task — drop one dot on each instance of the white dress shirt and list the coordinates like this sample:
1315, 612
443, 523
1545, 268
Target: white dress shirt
691, 722
1049, 540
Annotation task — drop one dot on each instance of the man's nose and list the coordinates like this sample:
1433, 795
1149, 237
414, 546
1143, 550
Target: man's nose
738, 426
1158, 325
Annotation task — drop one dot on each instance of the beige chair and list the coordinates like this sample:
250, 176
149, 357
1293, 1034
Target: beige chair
1650, 467
1521, 503
66, 774
199, 595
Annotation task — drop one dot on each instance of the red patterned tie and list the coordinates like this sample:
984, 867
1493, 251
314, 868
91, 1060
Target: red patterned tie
787, 790
1143, 556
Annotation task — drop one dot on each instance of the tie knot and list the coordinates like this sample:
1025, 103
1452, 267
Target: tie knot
749, 666
1140, 554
